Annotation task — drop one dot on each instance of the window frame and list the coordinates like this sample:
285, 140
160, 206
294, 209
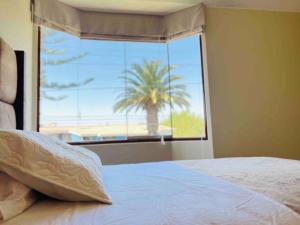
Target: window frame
131, 139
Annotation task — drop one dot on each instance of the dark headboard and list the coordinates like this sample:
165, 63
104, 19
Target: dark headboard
11, 87
19, 102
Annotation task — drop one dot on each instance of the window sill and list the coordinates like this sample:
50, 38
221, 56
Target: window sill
137, 140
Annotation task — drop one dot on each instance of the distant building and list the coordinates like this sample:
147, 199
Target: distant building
99, 132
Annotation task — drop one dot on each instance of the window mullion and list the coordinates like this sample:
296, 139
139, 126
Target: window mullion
170, 96
126, 87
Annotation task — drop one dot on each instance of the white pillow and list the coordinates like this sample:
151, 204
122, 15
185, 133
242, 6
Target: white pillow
51, 166
15, 197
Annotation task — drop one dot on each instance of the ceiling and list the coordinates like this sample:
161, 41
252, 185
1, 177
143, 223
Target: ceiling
155, 7
163, 7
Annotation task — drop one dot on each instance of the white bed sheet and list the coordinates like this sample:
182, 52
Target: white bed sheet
163, 194
273, 177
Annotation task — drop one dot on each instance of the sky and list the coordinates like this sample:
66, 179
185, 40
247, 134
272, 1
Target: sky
105, 62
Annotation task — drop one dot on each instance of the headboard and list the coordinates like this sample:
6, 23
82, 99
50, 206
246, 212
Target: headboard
8, 86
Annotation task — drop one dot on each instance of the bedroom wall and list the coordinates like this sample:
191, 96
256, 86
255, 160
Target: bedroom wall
132, 152
254, 80
253, 59
16, 29
152, 151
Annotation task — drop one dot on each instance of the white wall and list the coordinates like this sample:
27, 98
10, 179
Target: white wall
187, 150
16, 29
133, 152
152, 151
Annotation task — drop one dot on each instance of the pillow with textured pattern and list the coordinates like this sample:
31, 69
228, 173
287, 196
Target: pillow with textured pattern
52, 167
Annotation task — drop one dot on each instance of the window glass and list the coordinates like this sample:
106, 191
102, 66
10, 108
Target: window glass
93, 90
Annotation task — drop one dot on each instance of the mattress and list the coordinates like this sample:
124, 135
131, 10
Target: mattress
276, 178
165, 193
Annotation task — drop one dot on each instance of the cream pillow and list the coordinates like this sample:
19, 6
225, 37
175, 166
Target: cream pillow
15, 197
51, 166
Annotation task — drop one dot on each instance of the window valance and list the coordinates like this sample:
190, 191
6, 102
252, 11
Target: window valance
118, 26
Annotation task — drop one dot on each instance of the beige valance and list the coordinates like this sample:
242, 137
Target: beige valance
118, 26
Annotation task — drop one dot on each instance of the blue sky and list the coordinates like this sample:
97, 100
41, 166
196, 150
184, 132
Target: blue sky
105, 62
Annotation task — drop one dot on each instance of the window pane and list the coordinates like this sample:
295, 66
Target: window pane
104, 90
147, 60
186, 58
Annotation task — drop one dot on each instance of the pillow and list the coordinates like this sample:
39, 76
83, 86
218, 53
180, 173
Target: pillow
15, 197
8, 73
52, 167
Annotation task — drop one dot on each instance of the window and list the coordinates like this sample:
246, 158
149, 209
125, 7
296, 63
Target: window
97, 91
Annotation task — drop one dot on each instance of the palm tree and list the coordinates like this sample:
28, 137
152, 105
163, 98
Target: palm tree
151, 87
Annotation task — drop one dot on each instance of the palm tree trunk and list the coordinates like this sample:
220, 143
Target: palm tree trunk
152, 120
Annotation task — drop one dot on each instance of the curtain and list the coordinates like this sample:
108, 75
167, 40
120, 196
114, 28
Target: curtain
118, 26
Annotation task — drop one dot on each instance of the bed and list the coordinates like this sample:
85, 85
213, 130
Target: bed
233, 191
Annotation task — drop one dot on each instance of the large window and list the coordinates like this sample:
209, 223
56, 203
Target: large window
97, 91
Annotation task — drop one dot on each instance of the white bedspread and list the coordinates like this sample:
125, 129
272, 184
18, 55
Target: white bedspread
273, 177
163, 194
